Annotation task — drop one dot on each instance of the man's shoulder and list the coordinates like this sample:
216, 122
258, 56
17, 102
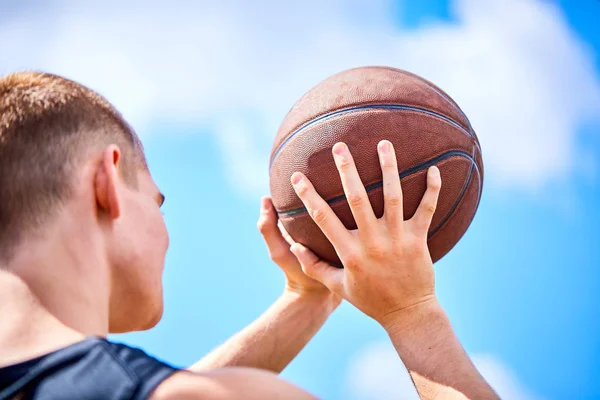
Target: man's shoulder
94, 368
230, 383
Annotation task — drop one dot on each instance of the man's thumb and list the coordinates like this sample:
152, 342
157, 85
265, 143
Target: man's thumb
318, 269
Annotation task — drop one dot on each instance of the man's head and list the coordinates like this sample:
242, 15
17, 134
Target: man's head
68, 159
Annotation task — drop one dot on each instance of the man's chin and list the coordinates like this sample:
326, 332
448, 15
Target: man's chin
137, 324
154, 320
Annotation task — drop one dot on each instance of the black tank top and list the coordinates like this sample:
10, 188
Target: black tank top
92, 369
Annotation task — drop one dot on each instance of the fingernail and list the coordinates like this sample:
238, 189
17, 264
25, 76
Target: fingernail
384, 146
339, 148
434, 171
296, 178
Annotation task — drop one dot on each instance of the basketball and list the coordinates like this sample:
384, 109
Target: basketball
361, 107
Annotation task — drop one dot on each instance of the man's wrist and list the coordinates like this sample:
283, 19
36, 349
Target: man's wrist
320, 299
413, 317
433, 355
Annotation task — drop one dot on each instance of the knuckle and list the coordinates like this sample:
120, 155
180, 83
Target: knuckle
319, 215
376, 250
277, 256
435, 185
430, 208
302, 190
345, 164
262, 225
355, 200
351, 260
416, 247
394, 200
310, 270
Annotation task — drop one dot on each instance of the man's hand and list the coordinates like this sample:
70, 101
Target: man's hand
388, 274
278, 244
387, 267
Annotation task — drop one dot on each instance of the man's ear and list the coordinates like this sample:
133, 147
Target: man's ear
107, 181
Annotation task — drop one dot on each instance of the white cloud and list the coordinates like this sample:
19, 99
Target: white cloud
520, 73
376, 373
500, 377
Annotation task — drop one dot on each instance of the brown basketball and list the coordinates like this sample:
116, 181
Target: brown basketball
361, 107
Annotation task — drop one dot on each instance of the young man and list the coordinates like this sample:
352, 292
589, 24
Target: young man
82, 248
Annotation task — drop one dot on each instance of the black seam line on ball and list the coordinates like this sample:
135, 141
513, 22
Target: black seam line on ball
378, 184
456, 202
435, 89
369, 107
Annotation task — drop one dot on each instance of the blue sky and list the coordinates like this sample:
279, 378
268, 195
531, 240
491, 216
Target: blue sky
521, 288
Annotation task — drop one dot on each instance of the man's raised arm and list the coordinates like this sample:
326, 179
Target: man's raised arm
388, 274
277, 336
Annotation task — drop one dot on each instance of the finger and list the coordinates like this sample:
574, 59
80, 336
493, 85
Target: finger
392, 191
318, 269
424, 215
321, 213
355, 192
278, 247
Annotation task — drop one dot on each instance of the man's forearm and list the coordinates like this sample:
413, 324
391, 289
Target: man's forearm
435, 359
277, 336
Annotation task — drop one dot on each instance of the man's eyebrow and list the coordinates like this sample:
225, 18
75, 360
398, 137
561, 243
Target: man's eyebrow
160, 199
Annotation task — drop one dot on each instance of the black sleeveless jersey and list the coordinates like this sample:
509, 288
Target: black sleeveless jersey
92, 369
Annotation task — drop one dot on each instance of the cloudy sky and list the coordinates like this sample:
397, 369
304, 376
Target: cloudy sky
206, 85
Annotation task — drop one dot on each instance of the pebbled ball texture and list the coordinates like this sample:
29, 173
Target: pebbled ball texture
361, 107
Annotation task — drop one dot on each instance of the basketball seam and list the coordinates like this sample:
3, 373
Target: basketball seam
455, 205
479, 192
430, 85
335, 113
375, 185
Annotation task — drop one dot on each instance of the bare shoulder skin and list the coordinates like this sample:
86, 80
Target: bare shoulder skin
228, 384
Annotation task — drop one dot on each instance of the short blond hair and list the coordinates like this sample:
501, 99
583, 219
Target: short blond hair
48, 126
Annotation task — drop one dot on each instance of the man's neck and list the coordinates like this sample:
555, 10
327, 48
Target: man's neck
51, 295
27, 329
